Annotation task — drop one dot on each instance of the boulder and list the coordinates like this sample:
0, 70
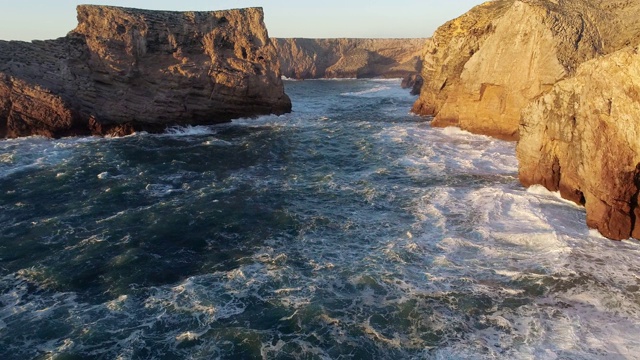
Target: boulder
123, 70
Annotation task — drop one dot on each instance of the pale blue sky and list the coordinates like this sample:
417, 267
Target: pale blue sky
47, 19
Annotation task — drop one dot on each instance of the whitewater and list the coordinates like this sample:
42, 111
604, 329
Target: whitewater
348, 229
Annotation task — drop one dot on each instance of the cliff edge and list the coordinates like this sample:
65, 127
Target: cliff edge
123, 70
349, 58
581, 139
563, 77
484, 67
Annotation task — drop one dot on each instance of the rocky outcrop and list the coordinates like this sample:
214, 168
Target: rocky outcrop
582, 139
123, 70
483, 68
413, 82
349, 58
561, 76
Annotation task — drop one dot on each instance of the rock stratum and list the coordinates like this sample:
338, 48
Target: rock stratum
582, 138
484, 67
349, 58
561, 76
123, 70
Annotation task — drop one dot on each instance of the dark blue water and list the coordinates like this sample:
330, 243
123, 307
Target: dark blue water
348, 229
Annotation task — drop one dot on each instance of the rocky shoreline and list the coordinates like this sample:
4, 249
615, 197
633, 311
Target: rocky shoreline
123, 70
540, 72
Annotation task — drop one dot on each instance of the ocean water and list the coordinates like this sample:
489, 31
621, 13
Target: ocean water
348, 229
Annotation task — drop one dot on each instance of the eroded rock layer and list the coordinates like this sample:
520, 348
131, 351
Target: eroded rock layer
583, 139
349, 58
484, 67
124, 69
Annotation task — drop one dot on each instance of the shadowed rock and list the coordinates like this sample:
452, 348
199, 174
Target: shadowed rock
123, 70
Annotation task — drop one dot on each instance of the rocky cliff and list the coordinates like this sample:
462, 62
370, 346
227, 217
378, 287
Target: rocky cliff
562, 77
483, 68
349, 58
582, 138
123, 70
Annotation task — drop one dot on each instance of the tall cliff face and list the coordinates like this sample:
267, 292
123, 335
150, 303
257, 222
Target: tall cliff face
581, 138
349, 58
539, 70
126, 69
483, 68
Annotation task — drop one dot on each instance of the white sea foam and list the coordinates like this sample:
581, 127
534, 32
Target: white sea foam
386, 80
161, 190
367, 92
217, 142
335, 79
549, 195
456, 132
32, 153
103, 175
189, 130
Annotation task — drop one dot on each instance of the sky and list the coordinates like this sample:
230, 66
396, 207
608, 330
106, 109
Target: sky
48, 19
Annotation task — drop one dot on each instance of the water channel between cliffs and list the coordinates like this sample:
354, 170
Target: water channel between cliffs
346, 229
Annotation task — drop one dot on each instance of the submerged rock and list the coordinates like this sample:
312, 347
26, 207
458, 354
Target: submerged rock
349, 58
484, 67
582, 139
124, 69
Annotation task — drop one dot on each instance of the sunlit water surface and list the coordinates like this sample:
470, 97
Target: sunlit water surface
348, 229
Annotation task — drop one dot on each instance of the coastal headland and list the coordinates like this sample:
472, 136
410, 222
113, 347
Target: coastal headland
124, 70
560, 77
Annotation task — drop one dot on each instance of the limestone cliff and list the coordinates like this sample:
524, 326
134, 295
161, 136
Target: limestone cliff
349, 58
125, 69
582, 138
483, 68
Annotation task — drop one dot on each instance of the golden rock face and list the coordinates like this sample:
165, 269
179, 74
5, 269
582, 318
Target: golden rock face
536, 71
483, 68
124, 69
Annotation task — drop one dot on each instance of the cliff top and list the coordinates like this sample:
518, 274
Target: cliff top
350, 38
87, 7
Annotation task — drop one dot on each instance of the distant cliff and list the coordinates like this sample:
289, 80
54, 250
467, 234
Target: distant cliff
483, 68
124, 69
349, 58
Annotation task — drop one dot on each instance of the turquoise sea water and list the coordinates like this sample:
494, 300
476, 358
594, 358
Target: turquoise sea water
348, 229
